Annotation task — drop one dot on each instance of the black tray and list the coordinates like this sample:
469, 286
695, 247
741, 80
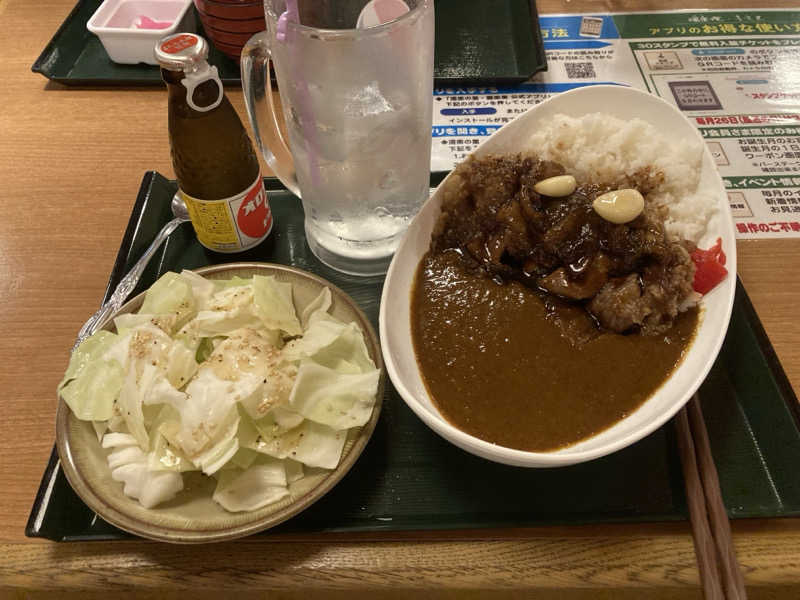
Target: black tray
496, 42
410, 478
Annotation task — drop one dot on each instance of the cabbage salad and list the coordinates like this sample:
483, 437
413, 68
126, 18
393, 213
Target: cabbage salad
222, 377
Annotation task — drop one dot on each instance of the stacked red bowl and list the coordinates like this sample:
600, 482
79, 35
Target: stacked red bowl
230, 23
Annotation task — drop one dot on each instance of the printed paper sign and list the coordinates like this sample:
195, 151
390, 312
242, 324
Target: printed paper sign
734, 74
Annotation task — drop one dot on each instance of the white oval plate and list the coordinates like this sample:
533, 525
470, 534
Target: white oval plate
395, 326
193, 517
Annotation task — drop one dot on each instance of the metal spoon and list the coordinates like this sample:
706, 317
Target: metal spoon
128, 283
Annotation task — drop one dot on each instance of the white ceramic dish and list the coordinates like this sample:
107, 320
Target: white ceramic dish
192, 516
395, 326
113, 23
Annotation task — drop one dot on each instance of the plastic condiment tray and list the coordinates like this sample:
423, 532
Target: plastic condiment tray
495, 42
408, 478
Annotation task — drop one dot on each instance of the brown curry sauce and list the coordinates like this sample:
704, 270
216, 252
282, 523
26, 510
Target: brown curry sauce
500, 363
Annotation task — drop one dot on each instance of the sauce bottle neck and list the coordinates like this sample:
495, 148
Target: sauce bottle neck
199, 88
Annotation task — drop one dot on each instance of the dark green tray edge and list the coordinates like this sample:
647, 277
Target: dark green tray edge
51, 473
42, 64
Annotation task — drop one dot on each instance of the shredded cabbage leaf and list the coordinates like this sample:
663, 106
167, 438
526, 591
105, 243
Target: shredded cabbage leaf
222, 377
228, 309
274, 305
129, 465
330, 397
92, 381
252, 488
318, 307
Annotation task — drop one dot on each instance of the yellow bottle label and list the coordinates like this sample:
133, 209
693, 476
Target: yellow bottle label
231, 224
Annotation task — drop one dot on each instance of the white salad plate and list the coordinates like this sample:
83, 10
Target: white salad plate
192, 516
395, 313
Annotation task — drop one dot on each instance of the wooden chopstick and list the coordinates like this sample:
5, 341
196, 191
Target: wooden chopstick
704, 547
732, 578
720, 574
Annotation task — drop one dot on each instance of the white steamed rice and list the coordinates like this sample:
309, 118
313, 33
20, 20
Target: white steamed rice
601, 148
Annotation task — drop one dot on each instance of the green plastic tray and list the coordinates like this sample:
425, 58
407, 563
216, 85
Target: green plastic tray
409, 478
492, 41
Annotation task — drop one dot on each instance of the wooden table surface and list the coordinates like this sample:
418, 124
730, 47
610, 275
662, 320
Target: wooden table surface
71, 161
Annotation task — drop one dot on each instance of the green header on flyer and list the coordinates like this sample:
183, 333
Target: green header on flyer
745, 132
757, 182
708, 23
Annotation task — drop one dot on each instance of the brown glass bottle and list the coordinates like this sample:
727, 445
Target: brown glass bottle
212, 154
217, 169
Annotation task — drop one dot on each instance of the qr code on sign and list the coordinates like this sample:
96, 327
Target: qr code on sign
580, 70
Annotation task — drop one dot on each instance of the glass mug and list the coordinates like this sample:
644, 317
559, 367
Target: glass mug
358, 108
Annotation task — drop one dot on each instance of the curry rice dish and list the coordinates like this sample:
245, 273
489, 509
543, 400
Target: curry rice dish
546, 310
